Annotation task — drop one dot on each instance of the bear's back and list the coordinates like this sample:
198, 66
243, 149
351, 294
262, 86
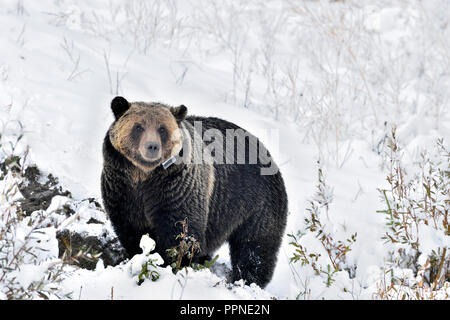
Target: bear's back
240, 190
208, 123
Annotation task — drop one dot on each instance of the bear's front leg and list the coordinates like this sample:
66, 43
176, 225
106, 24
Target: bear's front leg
123, 211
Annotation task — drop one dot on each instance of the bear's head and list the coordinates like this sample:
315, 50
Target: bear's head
147, 134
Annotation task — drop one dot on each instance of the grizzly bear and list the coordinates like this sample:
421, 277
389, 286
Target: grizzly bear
152, 179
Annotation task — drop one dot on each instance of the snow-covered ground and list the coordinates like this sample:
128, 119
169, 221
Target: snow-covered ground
313, 79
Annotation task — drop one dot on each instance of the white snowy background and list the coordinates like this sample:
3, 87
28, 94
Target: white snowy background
331, 78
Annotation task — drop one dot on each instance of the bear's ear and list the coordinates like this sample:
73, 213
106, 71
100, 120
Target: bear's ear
179, 112
118, 106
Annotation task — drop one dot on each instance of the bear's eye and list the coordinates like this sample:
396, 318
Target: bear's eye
162, 130
138, 128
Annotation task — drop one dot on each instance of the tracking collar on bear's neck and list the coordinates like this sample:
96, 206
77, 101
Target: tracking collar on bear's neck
166, 164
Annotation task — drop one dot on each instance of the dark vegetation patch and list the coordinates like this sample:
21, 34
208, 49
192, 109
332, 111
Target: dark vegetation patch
79, 248
85, 249
37, 195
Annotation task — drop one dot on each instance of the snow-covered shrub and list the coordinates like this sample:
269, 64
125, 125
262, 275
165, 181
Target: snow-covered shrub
320, 247
417, 205
144, 266
29, 264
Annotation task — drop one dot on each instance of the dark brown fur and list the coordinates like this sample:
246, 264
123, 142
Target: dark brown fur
221, 202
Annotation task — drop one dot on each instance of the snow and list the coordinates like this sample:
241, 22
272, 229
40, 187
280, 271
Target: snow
147, 245
312, 80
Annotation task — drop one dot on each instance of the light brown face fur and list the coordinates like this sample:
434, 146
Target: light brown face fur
132, 142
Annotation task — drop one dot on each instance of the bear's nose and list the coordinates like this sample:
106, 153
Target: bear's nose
152, 149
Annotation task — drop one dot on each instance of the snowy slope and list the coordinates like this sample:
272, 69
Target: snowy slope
329, 78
